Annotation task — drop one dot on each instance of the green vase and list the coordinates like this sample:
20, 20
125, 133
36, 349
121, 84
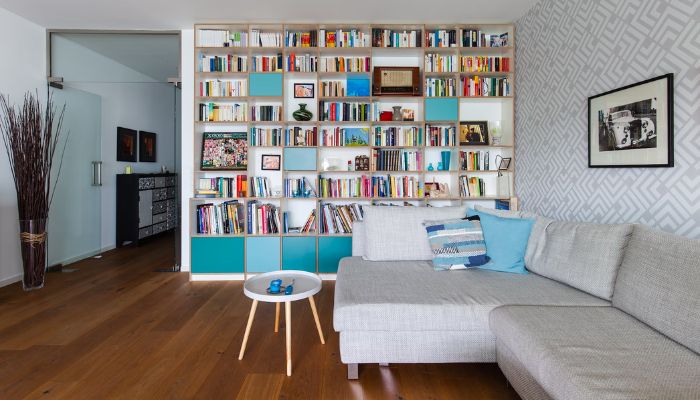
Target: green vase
302, 114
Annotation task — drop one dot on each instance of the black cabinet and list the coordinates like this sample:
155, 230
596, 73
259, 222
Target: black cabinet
147, 204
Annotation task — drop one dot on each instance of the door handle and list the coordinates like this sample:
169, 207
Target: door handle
97, 173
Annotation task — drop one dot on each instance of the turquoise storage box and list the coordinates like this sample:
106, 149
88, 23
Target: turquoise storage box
299, 159
330, 251
441, 109
262, 254
265, 84
299, 253
217, 255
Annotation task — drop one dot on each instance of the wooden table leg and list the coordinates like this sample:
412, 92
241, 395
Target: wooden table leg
277, 317
247, 328
288, 320
318, 323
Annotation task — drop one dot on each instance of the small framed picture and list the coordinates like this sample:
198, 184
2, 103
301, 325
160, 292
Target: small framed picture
271, 162
147, 146
504, 164
303, 90
126, 144
473, 133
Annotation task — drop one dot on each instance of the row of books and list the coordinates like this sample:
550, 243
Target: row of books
343, 111
265, 136
308, 227
233, 88
333, 88
266, 113
345, 64
395, 160
474, 160
440, 135
339, 218
212, 112
471, 186
440, 63
441, 38
259, 186
222, 187
440, 87
397, 187
227, 63
342, 38
265, 39
487, 87
221, 38
263, 219
344, 187
300, 63
338, 136
301, 39
484, 64
395, 38
397, 136
267, 63
298, 187
220, 219
477, 38
298, 136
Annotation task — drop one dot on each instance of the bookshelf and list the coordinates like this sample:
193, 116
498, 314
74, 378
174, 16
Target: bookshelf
254, 70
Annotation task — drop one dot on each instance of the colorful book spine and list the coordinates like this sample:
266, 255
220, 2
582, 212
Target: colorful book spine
343, 38
397, 136
220, 219
397, 187
266, 113
299, 136
265, 136
300, 63
435, 62
268, 63
484, 64
478, 86
228, 63
440, 87
345, 64
219, 88
441, 38
440, 135
215, 112
344, 187
472, 187
343, 111
396, 160
338, 219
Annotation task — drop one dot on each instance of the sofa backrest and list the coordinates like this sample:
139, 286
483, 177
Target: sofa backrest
659, 284
583, 255
358, 238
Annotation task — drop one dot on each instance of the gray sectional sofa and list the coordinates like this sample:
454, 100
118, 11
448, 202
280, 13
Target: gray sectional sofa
605, 312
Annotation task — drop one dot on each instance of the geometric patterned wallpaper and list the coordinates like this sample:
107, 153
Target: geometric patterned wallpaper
568, 50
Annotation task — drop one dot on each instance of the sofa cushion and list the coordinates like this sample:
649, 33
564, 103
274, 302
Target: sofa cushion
596, 353
506, 242
358, 238
456, 243
397, 233
411, 296
659, 283
583, 255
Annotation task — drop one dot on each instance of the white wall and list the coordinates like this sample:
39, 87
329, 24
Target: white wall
22, 69
187, 142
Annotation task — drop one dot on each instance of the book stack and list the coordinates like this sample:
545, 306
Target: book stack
397, 136
298, 136
267, 63
214, 112
337, 137
471, 187
345, 64
332, 88
474, 160
440, 63
265, 136
441, 135
265, 39
298, 187
220, 219
440, 87
397, 187
309, 225
259, 186
441, 38
344, 187
300, 63
395, 160
301, 39
263, 219
228, 63
477, 38
221, 38
266, 113
343, 111
342, 38
221, 88
222, 187
484, 64
485, 87
337, 219
392, 38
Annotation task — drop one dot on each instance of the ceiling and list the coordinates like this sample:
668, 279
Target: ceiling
183, 14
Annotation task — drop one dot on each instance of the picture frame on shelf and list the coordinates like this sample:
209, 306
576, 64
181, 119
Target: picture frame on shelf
304, 90
473, 133
504, 163
270, 162
224, 151
126, 144
632, 126
147, 146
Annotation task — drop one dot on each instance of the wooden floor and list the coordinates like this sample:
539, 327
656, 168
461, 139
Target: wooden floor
116, 329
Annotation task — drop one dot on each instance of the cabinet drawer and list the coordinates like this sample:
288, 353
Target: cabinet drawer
171, 223
170, 181
146, 183
160, 194
159, 207
158, 228
171, 204
159, 181
143, 232
158, 218
171, 192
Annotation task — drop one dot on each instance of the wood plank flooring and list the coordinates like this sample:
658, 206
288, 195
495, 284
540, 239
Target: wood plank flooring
116, 329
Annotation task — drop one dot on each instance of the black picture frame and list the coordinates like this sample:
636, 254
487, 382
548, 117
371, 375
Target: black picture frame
126, 144
504, 163
660, 101
304, 86
147, 146
467, 129
267, 163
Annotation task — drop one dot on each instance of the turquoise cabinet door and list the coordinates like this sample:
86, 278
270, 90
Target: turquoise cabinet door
330, 251
216, 255
441, 109
299, 159
265, 84
262, 254
299, 253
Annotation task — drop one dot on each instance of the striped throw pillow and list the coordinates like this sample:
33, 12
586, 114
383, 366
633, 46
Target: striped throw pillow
456, 244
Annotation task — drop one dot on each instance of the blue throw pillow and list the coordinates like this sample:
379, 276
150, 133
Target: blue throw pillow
506, 241
456, 244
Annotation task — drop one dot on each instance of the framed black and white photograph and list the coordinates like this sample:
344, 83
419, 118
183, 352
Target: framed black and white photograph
303, 90
270, 162
632, 126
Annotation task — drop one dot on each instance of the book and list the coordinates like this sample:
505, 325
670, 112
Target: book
345, 64
213, 112
263, 219
397, 136
343, 111
396, 38
220, 219
338, 219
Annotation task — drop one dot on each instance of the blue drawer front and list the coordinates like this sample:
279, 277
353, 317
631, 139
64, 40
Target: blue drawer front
217, 255
299, 253
266, 84
262, 254
299, 159
441, 109
330, 251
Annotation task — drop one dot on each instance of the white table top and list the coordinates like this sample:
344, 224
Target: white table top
306, 285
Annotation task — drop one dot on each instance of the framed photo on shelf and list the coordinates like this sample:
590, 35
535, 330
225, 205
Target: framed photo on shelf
126, 144
504, 163
147, 146
270, 162
303, 90
632, 126
224, 151
473, 133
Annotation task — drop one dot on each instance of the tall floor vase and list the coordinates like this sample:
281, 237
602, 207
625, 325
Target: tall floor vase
32, 238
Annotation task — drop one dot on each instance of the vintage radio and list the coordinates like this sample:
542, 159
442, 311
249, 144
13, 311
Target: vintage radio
396, 81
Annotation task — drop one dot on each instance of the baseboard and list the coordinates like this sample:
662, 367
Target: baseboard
240, 277
10, 280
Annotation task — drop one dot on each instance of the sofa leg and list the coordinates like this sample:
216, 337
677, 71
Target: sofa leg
383, 364
353, 371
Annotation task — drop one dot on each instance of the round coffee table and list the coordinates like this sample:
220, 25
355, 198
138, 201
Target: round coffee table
306, 285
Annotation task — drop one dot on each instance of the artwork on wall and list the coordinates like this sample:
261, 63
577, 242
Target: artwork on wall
126, 144
224, 151
271, 162
473, 133
303, 90
147, 146
632, 126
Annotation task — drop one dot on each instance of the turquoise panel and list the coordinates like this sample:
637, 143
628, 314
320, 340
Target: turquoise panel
262, 254
266, 84
330, 251
299, 253
216, 255
299, 159
441, 109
